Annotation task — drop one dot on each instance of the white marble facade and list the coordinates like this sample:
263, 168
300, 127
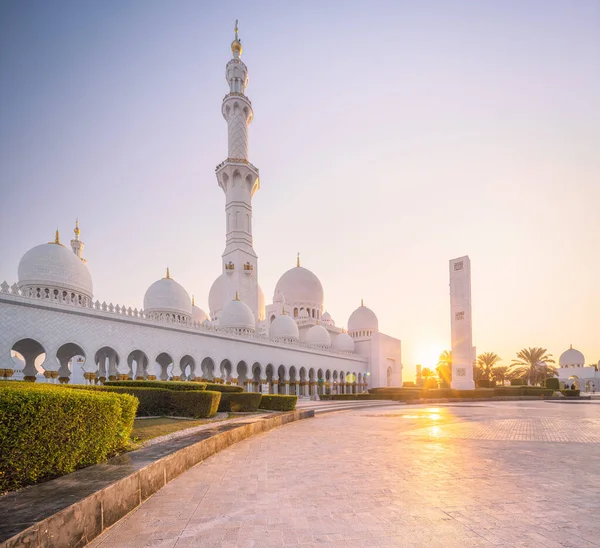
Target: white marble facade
51, 327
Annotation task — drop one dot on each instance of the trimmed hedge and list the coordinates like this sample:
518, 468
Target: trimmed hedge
553, 383
571, 393
539, 391
345, 397
275, 402
223, 387
518, 382
199, 404
236, 402
169, 385
47, 431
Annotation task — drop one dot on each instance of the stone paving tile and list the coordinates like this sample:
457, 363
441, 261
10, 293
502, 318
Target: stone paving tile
451, 476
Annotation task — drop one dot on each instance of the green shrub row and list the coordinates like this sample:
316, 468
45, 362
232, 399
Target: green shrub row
223, 387
199, 404
571, 393
235, 402
553, 383
274, 402
47, 431
169, 385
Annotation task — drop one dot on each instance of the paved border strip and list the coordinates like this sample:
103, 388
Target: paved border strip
77, 523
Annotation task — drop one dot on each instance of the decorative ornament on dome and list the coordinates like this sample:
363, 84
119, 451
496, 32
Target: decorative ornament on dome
298, 259
56, 238
168, 276
76, 229
236, 45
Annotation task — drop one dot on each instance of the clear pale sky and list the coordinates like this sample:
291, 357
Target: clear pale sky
390, 137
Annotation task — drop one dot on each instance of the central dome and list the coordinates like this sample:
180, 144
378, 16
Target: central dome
54, 265
300, 286
166, 295
571, 357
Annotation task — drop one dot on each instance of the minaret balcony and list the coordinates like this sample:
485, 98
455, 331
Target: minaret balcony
237, 94
241, 161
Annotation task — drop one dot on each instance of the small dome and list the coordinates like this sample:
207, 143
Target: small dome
166, 295
54, 265
571, 357
363, 318
327, 319
284, 327
237, 315
198, 315
279, 297
343, 342
215, 296
318, 336
300, 285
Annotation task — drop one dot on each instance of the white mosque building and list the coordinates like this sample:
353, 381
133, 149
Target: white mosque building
52, 328
573, 372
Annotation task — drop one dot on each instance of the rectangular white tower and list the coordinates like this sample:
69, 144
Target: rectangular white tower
461, 324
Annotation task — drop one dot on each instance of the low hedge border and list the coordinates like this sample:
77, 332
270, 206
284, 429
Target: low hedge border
275, 402
571, 393
223, 387
47, 431
236, 402
199, 404
169, 385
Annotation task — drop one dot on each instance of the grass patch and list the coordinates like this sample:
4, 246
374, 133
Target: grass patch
147, 429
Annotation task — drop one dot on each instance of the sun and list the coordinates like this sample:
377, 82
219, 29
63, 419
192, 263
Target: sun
428, 353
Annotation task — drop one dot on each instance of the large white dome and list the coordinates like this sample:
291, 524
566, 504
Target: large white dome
571, 357
166, 295
284, 327
54, 265
300, 285
318, 336
343, 342
215, 295
237, 315
363, 318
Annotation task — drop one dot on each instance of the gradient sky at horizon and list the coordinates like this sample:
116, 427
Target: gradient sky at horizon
390, 136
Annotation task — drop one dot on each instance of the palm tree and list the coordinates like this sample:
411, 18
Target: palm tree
426, 373
499, 373
485, 362
533, 364
444, 367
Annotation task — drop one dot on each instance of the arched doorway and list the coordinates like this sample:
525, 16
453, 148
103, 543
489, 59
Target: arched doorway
107, 361
208, 369
187, 364
71, 359
164, 362
138, 364
28, 357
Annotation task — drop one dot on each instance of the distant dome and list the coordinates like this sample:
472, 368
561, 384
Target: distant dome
261, 304
237, 315
56, 266
300, 285
215, 295
363, 318
327, 319
198, 315
318, 336
343, 342
279, 297
166, 295
284, 327
571, 357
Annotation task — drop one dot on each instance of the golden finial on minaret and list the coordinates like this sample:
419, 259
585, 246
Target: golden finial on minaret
168, 276
282, 310
237, 297
56, 238
236, 45
76, 230
362, 303
298, 259
192, 300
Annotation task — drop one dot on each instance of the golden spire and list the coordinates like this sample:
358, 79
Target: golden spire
168, 276
362, 303
298, 259
192, 300
236, 45
56, 238
237, 297
76, 230
282, 310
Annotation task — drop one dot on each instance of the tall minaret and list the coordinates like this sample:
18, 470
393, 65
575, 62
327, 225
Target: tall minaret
76, 243
239, 180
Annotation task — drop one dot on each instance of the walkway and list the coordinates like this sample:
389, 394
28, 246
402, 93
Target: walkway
482, 474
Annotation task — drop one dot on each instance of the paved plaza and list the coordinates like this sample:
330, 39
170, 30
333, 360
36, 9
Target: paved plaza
481, 474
